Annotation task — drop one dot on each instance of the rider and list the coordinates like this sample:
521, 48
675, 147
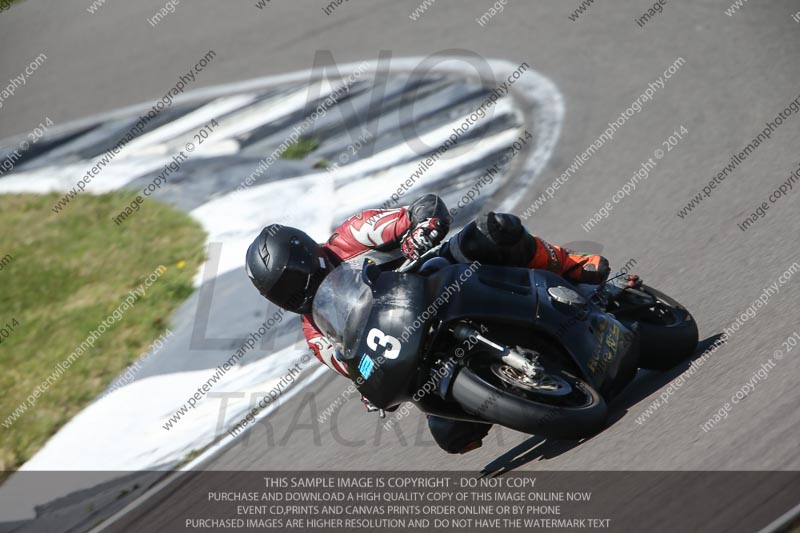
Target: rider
287, 266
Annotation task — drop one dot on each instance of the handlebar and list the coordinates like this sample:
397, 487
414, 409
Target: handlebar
412, 264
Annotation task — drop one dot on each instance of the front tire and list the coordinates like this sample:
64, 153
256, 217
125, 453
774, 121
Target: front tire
480, 390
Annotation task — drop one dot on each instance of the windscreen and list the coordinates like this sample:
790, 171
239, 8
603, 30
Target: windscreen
338, 295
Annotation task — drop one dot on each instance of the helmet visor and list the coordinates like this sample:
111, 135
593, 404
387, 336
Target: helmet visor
299, 280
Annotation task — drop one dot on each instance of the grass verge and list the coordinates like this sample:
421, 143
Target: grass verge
5, 5
300, 149
61, 277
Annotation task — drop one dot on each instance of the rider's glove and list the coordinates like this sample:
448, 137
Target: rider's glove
422, 237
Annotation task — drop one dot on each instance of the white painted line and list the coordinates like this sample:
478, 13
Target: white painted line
208, 454
782, 520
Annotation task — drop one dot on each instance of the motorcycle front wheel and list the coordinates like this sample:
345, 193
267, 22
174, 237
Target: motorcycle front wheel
558, 406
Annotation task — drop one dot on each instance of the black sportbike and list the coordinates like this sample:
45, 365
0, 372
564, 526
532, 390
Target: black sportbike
517, 347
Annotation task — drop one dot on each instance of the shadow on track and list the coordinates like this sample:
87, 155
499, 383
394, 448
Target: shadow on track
647, 382
644, 384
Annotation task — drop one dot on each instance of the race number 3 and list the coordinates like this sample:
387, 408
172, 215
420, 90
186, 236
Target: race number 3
376, 338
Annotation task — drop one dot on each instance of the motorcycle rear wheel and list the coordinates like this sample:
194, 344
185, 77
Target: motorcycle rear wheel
553, 411
667, 331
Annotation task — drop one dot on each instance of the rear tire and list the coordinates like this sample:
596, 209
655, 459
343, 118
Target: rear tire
668, 337
581, 414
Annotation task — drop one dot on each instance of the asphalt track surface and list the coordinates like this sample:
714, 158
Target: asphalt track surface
740, 72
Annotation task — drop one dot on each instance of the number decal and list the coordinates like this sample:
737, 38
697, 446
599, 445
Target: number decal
376, 338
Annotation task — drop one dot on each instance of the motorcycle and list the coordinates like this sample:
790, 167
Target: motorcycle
522, 348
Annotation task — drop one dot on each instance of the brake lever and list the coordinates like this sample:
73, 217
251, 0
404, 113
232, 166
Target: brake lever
410, 264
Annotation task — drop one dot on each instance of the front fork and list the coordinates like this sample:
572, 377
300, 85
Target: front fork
522, 360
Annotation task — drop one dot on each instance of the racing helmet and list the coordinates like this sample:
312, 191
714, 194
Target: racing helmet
286, 266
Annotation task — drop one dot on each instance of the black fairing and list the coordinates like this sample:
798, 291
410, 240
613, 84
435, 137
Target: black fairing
398, 300
597, 342
405, 306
